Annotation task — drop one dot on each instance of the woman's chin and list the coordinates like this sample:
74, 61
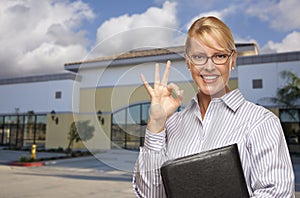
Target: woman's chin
213, 91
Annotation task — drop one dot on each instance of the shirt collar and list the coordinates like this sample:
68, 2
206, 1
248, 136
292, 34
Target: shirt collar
234, 99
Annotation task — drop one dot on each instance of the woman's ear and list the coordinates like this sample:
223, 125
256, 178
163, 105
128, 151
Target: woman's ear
233, 59
188, 63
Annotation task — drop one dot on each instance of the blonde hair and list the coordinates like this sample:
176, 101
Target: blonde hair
213, 27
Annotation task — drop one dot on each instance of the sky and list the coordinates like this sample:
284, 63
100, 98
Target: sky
39, 37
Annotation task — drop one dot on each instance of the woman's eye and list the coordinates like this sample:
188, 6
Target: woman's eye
198, 57
221, 56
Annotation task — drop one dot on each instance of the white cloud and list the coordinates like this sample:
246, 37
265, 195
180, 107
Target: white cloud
290, 43
50, 55
156, 27
282, 15
221, 14
40, 36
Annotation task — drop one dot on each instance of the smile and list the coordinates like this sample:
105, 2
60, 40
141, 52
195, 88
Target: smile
210, 78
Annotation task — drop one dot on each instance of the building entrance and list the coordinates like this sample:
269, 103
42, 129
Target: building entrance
21, 131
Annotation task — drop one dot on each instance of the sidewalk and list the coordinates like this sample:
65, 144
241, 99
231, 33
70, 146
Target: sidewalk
118, 159
113, 167
7, 156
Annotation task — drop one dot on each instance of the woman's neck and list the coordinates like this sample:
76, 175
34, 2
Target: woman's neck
204, 100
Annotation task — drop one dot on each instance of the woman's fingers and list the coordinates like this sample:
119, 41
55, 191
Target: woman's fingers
175, 91
146, 84
162, 85
165, 78
156, 76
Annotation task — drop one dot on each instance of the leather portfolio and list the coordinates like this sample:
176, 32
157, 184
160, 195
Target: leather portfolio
215, 173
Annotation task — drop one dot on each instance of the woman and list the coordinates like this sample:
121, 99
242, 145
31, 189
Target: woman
215, 117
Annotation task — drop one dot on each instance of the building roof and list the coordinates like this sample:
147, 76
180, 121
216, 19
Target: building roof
134, 54
269, 58
243, 49
40, 78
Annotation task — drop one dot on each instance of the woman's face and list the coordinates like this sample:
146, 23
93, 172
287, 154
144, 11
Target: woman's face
212, 79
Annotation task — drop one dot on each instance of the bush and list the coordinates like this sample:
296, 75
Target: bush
26, 159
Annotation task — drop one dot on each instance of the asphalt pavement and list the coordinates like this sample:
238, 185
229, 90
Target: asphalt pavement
106, 174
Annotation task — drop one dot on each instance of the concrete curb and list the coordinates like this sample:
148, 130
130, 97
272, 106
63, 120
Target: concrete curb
26, 164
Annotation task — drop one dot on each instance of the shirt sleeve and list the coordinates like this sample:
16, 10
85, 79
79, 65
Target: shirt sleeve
271, 168
147, 180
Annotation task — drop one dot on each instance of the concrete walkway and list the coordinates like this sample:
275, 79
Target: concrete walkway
122, 160
106, 174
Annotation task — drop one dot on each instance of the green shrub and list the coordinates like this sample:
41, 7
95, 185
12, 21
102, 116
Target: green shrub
26, 159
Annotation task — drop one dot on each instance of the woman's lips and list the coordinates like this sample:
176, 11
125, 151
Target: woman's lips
210, 78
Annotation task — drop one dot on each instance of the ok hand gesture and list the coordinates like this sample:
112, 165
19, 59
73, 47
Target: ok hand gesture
163, 102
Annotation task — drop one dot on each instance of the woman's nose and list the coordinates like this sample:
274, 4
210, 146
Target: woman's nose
210, 65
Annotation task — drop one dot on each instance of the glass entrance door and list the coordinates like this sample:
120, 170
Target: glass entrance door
6, 135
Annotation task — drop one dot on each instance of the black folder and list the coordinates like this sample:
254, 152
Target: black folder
211, 174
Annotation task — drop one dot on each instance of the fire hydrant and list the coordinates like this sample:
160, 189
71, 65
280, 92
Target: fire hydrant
33, 152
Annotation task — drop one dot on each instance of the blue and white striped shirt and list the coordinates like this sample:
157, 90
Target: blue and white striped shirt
230, 119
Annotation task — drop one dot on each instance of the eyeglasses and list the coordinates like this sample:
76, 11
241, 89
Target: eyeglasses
201, 59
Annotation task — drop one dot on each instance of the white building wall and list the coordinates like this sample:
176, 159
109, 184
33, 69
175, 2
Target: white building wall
37, 96
271, 79
130, 74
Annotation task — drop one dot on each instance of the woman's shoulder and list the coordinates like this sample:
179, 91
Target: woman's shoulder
247, 106
256, 112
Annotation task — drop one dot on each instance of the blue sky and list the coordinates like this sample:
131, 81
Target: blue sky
249, 20
40, 36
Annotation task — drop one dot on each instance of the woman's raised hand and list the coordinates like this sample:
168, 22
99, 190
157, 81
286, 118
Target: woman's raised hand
163, 102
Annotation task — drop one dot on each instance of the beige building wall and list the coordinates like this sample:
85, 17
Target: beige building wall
108, 100
101, 135
57, 134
